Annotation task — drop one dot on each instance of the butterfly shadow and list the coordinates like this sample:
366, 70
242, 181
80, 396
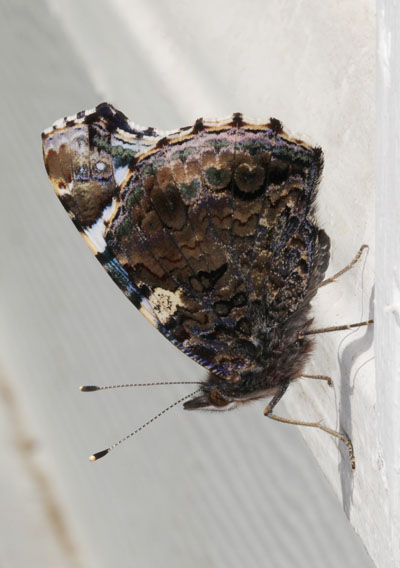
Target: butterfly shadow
348, 360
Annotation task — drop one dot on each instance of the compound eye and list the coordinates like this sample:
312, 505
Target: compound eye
216, 399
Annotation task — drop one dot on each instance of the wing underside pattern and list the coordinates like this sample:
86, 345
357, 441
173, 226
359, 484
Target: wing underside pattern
208, 230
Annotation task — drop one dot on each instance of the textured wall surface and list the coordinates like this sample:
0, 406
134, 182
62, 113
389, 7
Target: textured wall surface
388, 268
219, 490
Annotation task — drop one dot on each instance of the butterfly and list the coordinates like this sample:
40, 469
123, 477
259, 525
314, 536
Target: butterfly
210, 231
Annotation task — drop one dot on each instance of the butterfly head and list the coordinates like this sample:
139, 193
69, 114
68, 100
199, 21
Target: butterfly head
222, 394
211, 399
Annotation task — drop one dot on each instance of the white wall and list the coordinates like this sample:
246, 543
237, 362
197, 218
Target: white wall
388, 268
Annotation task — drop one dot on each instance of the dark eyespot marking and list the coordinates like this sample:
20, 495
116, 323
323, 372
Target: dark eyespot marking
169, 206
218, 178
239, 300
278, 172
190, 190
205, 281
222, 308
249, 178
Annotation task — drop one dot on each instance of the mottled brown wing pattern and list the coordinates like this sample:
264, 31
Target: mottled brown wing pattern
218, 224
208, 230
87, 157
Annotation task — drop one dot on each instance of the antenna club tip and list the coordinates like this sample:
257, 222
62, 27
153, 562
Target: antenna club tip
88, 388
98, 455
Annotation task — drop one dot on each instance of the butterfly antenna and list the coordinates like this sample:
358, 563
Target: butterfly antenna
91, 388
101, 454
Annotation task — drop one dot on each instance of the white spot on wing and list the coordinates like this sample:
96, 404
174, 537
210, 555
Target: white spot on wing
165, 303
120, 174
96, 233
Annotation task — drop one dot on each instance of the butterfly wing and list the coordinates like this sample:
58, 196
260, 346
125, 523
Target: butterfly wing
87, 156
209, 230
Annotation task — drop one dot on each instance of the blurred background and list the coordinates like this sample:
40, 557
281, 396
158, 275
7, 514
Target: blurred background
195, 489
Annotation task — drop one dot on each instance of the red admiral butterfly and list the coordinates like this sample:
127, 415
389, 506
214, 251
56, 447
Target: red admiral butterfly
210, 231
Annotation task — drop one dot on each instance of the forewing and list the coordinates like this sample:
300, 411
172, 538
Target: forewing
87, 156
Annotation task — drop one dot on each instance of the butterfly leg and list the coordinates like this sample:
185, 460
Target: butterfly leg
318, 377
328, 281
334, 328
274, 401
345, 269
